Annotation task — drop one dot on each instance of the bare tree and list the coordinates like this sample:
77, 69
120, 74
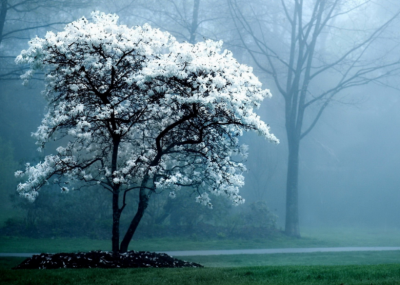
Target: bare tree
293, 47
189, 21
22, 19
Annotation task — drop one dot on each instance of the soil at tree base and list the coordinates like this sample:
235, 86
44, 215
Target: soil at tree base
103, 259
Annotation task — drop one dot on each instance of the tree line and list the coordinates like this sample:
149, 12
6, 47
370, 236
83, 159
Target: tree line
293, 43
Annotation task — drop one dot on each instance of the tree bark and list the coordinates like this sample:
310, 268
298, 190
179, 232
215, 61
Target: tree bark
294, 113
144, 196
115, 226
115, 200
292, 209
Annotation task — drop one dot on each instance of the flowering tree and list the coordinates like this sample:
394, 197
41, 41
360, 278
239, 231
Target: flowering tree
140, 112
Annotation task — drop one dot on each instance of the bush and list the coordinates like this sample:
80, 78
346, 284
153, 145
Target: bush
88, 214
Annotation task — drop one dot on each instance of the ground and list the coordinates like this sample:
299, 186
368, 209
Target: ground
103, 259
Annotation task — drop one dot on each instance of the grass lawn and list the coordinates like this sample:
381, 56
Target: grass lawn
318, 258
307, 268
354, 236
311, 238
21, 244
366, 274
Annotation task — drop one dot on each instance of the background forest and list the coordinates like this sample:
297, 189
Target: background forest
332, 67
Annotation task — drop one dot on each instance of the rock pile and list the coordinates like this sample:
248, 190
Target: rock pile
103, 259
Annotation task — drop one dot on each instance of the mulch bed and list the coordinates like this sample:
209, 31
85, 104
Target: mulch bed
103, 259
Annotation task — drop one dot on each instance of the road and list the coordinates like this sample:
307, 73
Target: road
250, 251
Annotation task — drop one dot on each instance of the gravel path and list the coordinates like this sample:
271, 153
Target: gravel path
249, 251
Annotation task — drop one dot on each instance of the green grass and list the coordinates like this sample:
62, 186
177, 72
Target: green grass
353, 236
311, 238
20, 244
279, 275
318, 258
311, 268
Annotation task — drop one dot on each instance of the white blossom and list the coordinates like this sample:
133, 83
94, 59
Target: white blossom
175, 109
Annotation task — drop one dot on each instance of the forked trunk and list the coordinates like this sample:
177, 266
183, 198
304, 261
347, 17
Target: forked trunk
144, 196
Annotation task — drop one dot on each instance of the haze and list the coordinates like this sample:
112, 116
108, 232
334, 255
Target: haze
349, 158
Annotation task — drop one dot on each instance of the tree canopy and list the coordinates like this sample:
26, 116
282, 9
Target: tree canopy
135, 110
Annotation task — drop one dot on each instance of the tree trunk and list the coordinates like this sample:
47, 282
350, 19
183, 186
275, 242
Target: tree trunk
115, 201
115, 226
144, 196
292, 208
193, 27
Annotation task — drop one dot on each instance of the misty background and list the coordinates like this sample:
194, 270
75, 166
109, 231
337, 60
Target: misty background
349, 162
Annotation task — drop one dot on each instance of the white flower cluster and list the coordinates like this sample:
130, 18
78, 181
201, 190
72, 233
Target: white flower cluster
135, 104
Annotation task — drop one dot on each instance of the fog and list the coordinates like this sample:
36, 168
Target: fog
349, 161
348, 165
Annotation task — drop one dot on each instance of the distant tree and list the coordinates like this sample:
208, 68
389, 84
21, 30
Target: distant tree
300, 44
19, 18
189, 21
134, 110
182, 17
